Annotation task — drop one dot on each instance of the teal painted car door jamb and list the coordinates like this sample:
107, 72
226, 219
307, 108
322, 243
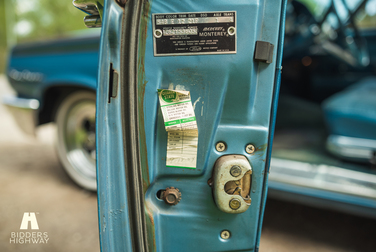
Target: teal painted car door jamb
234, 100
273, 117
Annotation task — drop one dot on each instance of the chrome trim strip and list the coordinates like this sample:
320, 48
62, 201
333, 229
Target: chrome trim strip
91, 7
351, 147
24, 112
323, 177
93, 21
21, 103
95, 10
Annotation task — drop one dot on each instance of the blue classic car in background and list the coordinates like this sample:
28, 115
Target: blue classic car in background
325, 139
55, 82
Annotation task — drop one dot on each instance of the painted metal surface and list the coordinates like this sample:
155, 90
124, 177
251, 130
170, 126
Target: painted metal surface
232, 96
114, 222
273, 116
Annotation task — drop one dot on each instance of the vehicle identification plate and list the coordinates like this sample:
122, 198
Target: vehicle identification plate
194, 33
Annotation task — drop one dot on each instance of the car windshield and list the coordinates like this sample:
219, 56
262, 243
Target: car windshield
364, 18
318, 8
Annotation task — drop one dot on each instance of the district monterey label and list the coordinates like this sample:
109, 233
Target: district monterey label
194, 33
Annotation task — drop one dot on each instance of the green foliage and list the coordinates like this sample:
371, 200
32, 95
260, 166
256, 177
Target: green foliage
49, 18
44, 19
3, 44
312, 6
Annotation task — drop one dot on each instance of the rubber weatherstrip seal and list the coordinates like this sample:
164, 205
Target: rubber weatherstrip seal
129, 113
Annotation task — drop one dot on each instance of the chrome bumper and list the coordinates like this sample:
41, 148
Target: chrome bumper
24, 112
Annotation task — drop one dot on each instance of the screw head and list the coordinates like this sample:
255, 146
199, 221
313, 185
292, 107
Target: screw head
220, 146
235, 171
250, 148
235, 204
225, 234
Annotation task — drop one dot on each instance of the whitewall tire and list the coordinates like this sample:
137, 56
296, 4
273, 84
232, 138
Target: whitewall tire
75, 143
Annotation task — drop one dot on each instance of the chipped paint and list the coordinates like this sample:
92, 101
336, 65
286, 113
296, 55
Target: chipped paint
194, 104
261, 147
180, 87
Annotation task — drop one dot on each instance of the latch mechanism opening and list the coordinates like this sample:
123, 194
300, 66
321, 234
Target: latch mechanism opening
231, 183
241, 187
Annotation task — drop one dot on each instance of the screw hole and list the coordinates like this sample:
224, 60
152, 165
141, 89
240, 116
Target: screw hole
159, 194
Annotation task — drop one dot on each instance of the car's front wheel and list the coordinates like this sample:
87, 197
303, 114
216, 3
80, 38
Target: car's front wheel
75, 144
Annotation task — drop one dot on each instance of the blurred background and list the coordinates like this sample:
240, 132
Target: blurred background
24, 21
33, 180
31, 176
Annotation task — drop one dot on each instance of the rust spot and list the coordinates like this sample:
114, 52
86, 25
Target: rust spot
151, 228
121, 2
150, 215
144, 184
210, 182
262, 147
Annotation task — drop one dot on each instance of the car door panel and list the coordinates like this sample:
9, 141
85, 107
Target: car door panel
232, 96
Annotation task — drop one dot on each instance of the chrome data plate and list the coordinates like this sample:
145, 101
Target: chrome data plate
194, 33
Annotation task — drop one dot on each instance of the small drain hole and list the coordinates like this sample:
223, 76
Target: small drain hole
159, 194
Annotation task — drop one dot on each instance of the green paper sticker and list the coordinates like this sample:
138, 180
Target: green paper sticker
168, 96
180, 123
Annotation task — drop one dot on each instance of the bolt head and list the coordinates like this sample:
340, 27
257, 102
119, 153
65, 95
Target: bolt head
235, 204
250, 148
235, 171
171, 195
220, 146
225, 234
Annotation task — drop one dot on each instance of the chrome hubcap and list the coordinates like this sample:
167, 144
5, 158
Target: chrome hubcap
80, 137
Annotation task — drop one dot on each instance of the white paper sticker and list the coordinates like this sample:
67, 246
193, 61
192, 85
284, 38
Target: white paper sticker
180, 123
